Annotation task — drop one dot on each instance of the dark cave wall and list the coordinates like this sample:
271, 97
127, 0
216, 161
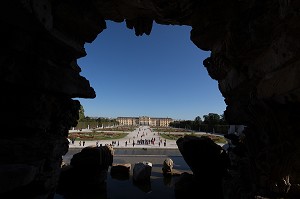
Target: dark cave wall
254, 57
39, 78
256, 66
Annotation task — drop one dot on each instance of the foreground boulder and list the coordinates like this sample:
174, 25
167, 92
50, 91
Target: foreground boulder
142, 172
93, 157
208, 162
120, 171
167, 167
88, 169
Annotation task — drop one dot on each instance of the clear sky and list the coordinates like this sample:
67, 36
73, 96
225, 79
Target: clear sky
160, 75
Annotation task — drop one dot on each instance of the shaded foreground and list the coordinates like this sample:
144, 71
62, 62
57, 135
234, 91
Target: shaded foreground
159, 186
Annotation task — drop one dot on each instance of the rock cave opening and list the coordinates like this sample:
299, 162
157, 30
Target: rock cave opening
254, 58
149, 74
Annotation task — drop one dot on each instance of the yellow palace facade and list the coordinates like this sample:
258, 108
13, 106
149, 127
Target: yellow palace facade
144, 121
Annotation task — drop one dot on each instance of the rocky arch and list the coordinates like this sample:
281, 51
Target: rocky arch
254, 57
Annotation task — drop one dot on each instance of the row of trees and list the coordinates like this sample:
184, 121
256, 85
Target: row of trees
89, 122
211, 123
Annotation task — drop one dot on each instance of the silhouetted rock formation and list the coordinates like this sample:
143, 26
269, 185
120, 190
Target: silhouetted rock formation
254, 48
88, 170
142, 172
208, 162
168, 167
120, 171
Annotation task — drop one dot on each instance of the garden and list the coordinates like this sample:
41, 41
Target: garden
96, 135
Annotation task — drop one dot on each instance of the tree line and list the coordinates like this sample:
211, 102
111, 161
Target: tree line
91, 122
211, 123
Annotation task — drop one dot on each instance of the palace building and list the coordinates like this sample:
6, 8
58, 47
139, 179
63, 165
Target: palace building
144, 121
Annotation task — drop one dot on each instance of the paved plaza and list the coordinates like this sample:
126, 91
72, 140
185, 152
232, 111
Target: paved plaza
140, 133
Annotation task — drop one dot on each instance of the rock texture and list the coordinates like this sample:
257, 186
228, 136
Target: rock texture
209, 164
87, 171
142, 172
254, 47
167, 168
120, 171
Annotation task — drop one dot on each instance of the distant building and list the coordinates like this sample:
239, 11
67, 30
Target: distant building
144, 121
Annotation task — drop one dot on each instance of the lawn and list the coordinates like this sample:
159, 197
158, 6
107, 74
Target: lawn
170, 129
172, 136
120, 128
96, 135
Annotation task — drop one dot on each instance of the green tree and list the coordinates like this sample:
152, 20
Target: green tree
198, 120
81, 113
222, 119
212, 119
196, 123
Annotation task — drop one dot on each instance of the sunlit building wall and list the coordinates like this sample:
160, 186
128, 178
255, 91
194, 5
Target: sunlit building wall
144, 121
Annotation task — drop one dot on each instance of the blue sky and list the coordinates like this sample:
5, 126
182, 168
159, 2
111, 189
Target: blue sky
160, 75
